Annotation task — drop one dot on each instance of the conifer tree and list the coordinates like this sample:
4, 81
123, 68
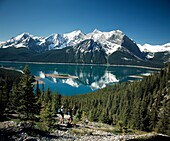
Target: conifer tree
2, 99
38, 92
47, 95
7, 89
54, 102
92, 115
46, 114
4, 95
163, 124
38, 98
42, 93
104, 116
14, 99
27, 97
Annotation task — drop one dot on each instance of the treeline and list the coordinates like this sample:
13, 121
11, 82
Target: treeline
22, 100
69, 55
142, 105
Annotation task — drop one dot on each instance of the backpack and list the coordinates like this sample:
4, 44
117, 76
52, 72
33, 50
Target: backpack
59, 110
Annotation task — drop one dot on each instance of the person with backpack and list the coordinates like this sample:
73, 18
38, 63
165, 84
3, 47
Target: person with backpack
61, 112
70, 116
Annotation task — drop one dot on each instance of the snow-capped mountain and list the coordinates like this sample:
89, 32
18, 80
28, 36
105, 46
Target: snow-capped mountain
104, 38
59, 41
154, 48
18, 41
97, 47
151, 50
110, 41
41, 44
25, 40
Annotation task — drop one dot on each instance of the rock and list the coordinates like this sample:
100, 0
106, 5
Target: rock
30, 139
26, 124
18, 132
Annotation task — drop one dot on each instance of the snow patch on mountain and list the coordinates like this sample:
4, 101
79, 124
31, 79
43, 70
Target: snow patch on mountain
154, 48
74, 37
97, 35
127, 59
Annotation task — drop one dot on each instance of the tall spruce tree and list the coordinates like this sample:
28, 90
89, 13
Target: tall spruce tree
27, 97
14, 99
2, 99
38, 92
5, 87
38, 98
55, 103
46, 114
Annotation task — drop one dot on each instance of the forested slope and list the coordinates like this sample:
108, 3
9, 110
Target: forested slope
142, 105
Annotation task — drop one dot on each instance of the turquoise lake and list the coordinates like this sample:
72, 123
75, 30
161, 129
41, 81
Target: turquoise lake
89, 77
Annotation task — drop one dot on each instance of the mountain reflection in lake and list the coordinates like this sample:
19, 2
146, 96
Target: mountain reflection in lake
89, 77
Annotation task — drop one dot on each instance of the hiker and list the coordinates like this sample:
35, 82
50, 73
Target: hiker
62, 114
70, 116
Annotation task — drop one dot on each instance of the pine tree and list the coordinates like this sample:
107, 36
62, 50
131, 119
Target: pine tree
47, 96
92, 115
163, 124
4, 96
104, 116
7, 89
27, 97
38, 99
2, 99
46, 114
55, 105
42, 93
37, 92
14, 99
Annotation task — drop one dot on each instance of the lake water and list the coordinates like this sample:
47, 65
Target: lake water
89, 77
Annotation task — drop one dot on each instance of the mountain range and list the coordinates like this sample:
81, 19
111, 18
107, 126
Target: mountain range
97, 47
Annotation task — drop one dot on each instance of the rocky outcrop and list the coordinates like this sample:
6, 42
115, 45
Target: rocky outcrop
26, 131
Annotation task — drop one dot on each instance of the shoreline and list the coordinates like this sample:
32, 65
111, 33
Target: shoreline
10, 68
60, 76
107, 65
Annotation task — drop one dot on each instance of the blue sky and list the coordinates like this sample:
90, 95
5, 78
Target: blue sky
144, 21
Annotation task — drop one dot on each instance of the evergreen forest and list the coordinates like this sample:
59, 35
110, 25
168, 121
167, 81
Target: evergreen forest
141, 105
